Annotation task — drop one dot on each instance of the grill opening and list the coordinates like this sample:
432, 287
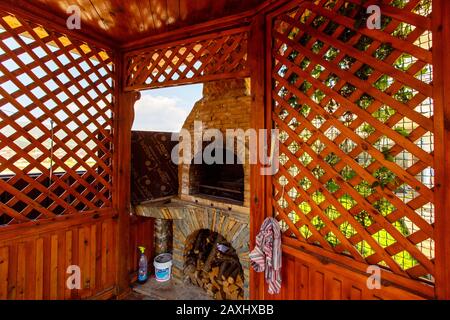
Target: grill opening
219, 181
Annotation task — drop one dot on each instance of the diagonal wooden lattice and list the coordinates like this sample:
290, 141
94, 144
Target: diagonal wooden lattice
55, 124
208, 59
355, 112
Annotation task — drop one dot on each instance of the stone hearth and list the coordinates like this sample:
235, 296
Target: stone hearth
189, 217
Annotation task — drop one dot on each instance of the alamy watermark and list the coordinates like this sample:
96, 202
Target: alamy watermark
374, 20
244, 146
74, 20
74, 280
374, 280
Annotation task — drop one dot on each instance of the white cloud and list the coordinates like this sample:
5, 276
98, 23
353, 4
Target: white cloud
159, 113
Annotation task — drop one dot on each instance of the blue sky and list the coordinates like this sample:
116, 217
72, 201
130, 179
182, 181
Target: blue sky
166, 109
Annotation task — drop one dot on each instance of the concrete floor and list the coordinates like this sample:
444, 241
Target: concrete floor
171, 290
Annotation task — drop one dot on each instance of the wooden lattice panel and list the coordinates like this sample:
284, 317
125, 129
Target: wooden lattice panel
212, 58
355, 112
55, 124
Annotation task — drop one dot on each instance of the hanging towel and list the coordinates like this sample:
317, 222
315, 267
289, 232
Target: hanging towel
266, 256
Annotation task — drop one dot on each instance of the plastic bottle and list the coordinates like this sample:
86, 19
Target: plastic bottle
143, 267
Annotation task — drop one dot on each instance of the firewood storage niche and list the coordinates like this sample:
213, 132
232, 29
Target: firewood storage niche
213, 264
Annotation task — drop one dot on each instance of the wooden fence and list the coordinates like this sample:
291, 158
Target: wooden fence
56, 156
354, 107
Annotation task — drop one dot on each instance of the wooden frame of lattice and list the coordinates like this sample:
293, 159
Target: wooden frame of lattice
56, 128
212, 57
355, 111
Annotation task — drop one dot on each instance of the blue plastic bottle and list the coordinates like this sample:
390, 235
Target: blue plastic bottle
143, 267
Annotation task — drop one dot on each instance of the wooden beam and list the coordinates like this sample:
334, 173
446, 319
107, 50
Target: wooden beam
256, 60
441, 83
124, 117
197, 30
230, 22
213, 26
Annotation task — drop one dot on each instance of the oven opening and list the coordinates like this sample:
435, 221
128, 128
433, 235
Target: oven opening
219, 181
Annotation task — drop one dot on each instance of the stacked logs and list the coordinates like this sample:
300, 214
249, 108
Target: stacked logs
212, 264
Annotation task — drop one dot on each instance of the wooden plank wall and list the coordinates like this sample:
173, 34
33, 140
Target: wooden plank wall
34, 266
305, 278
141, 234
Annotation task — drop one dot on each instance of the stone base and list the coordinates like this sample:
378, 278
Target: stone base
190, 217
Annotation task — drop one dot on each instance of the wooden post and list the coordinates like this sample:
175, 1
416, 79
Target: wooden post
124, 118
441, 95
256, 56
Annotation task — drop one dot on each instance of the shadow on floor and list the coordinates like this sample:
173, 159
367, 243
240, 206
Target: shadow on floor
171, 290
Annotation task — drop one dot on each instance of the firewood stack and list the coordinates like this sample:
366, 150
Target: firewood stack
212, 264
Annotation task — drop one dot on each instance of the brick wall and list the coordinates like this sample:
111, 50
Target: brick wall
225, 105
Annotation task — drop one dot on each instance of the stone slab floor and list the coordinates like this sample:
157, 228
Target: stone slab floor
171, 290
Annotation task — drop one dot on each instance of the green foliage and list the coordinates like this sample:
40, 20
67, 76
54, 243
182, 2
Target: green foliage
404, 95
305, 63
332, 159
332, 80
399, 3
364, 72
384, 177
346, 62
404, 62
365, 101
292, 79
402, 131
383, 51
318, 96
332, 186
367, 129
305, 86
386, 151
291, 57
402, 227
317, 46
403, 30
318, 69
331, 54
305, 183
317, 22
363, 43
347, 90
384, 113
347, 201
364, 189
384, 207
383, 82
364, 218
348, 173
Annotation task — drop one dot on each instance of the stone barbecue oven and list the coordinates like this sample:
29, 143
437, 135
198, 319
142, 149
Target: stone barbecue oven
225, 105
214, 197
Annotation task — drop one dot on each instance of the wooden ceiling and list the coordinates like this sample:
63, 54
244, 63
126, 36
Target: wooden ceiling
128, 20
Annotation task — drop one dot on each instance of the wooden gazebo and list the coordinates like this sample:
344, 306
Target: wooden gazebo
363, 116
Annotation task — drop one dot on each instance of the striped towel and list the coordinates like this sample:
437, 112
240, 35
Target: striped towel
266, 256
